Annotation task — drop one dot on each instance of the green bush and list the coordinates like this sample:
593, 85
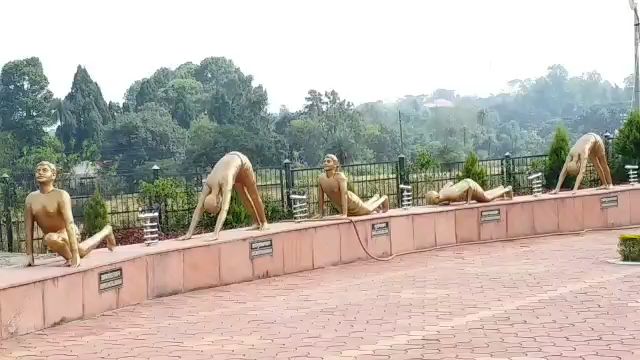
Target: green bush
555, 161
629, 247
626, 148
473, 170
96, 215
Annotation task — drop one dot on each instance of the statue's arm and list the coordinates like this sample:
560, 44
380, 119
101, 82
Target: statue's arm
67, 215
320, 198
224, 207
342, 181
563, 175
197, 213
583, 168
28, 223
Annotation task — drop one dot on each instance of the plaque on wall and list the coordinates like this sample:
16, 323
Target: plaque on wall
261, 248
380, 229
110, 279
609, 201
492, 215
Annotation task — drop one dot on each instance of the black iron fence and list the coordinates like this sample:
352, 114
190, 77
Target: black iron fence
175, 195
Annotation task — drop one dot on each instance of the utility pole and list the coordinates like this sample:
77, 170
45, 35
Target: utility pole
636, 37
401, 140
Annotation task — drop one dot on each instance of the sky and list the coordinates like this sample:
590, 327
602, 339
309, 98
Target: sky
366, 50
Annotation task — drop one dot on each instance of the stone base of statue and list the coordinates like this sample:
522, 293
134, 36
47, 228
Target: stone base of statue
38, 297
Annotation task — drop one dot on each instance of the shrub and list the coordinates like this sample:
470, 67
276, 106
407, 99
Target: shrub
555, 161
626, 148
96, 215
473, 170
629, 247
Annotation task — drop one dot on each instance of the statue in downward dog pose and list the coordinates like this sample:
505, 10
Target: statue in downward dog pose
232, 171
588, 147
466, 190
50, 209
333, 183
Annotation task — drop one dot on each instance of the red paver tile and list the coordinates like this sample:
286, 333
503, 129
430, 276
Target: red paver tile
546, 298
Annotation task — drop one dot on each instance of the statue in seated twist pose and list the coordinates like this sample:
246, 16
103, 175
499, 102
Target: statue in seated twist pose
232, 171
50, 209
588, 147
466, 190
334, 184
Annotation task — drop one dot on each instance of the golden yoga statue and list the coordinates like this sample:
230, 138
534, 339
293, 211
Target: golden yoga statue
232, 171
588, 147
50, 209
466, 190
333, 183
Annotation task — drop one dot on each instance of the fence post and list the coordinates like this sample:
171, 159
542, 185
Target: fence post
401, 178
288, 185
8, 204
507, 169
156, 204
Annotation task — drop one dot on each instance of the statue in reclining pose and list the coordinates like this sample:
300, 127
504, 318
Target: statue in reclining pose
232, 171
466, 190
333, 183
588, 147
50, 209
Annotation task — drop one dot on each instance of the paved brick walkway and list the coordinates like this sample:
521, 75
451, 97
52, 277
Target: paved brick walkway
550, 298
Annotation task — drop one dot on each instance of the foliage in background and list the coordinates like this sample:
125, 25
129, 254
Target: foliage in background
96, 215
626, 147
556, 157
473, 170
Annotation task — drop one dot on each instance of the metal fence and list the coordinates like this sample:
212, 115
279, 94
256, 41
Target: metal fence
175, 195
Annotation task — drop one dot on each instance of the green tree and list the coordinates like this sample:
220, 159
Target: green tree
24, 100
474, 171
556, 157
626, 147
84, 114
96, 215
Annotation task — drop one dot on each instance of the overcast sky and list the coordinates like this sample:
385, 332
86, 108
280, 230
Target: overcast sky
366, 50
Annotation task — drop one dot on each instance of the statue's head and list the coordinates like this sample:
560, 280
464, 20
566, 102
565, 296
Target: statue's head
432, 197
331, 163
212, 204
46, 172
573, 166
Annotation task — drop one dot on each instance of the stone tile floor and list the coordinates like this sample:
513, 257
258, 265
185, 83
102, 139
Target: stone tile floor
545, 298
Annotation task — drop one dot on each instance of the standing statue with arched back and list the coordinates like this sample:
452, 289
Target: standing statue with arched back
333, 183
232, 171
50, 209
588, 147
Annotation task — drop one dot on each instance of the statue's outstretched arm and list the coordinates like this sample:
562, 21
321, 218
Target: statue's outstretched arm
583, 166
28, 223
344, 195
563, 175
321, 199
224, 208
197, 213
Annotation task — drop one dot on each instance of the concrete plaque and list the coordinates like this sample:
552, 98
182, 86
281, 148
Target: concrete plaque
492, 215
261, 248
110, 279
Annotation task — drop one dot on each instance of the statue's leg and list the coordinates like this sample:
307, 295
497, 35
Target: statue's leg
490, 195
373, 199
606, 172
58, 243
380, 201
247, 203
248, 179
86, 246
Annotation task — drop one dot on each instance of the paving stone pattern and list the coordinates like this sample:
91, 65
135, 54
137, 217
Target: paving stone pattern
546, 298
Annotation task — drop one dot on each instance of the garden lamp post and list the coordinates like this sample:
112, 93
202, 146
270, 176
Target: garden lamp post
636, 75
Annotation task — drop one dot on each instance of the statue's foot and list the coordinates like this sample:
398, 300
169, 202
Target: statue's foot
111, 241
264, 226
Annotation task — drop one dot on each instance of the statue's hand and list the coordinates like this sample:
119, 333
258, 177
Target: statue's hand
75, 261
553, 192
30, 260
